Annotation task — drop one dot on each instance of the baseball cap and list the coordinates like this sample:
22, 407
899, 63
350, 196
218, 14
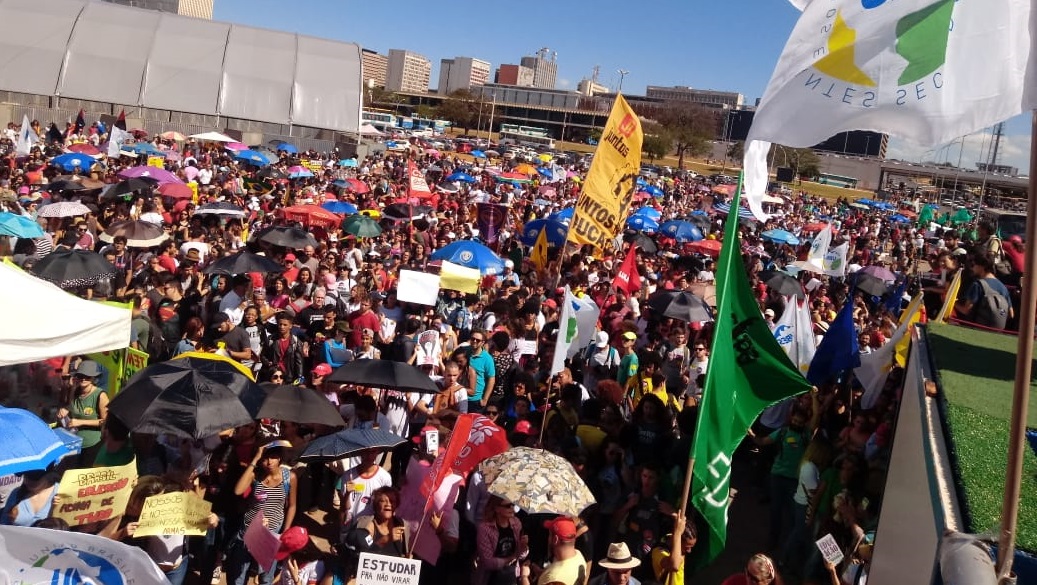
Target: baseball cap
562, 527
601, 339
768, 313
524, 427
290, 257
630, 335
220, 318
550, 303
321, 370
293, 540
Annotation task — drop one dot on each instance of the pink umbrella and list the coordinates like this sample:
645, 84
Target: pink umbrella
571, 174
175, 190
87, 149
160, 175
236, 146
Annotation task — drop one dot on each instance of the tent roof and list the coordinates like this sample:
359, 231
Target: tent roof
45, 321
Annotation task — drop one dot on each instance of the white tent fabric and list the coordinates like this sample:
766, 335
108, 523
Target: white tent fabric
369, 130
44, 321
212, 137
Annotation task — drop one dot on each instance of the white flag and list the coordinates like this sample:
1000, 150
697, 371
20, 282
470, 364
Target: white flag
576, 324
917, 69
875, 366
116, 138
794, 332
26, 138
819, 247
835, 260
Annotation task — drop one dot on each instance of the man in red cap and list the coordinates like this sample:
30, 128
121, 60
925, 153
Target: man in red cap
568, 566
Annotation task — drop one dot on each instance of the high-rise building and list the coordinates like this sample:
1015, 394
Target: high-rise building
705, 97
375, 65
462, 73
514, 75
545, 71
195, 8
407, 71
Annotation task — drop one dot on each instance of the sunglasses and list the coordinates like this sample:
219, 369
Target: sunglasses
492, 412
477, 340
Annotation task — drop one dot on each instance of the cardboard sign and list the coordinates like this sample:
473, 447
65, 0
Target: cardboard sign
158, 162
136, 360
95, 495
261, 542
830, 549
418, 287
174, 513
382, 570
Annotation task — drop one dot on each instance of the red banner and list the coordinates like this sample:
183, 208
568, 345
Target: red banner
418, 186
474, 439
627, 278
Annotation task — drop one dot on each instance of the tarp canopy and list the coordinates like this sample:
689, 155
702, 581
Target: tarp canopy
44, 321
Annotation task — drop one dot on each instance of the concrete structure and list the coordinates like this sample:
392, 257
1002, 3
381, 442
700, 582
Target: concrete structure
516, 75
376, 67
545, 72
590, 88
552, 98
407, 71
706, 97
193, 8
462, 73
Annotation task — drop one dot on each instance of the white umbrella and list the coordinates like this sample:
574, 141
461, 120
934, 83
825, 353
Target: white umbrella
63, 209
212, 137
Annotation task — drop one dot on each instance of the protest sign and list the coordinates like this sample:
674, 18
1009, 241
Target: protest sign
136, 360
380, 570
95, 495
261, 542
418, 287
460, 278
830, 549
157, 161
174, 513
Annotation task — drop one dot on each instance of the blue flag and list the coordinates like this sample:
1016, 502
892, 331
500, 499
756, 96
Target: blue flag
895, 302
838, 350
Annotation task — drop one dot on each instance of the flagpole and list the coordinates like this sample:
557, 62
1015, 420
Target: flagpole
1021, 390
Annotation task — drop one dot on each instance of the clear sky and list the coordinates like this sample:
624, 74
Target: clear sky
729, 45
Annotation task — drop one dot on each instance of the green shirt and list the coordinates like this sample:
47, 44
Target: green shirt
791, 447
627, 369
86, 407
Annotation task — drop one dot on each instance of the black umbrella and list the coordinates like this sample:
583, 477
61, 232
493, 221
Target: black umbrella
243, 263
781, 283
693, 263
643, 242
384, 374
680, 305
288, 237
271, 172
73, 268
299, 404
64, 185
349, 443
869, 284
404, 211
139, 234
130, 185
194, 395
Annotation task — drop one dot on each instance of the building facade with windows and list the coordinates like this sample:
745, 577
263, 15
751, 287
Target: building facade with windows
705, 97
194, 8
516, 75
462, 73
376, 67
407, 71
545, 72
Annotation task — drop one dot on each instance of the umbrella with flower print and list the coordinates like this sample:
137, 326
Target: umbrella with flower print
537, 481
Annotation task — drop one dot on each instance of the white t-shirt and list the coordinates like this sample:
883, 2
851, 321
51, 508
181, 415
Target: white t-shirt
311, 572
356, 491
809, 479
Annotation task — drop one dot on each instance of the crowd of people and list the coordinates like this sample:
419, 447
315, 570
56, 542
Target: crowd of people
623, 411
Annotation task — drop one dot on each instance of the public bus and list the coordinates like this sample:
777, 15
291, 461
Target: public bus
383, 121
526, 136
837, 180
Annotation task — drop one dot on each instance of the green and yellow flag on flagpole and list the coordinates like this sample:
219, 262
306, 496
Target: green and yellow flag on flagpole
748, 371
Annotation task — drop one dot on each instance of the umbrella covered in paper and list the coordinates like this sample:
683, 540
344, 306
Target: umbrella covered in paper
537, 481
384, 374
349, 443
73, 268
299, 404
193, 395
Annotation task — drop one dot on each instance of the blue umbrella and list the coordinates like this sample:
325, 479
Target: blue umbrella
253, 157
19, 226
725, 208
27, 443
653, 190
641, 182
564, 215
340, 207
642, 223
72, 160
459, 176
541, 202
651, 212
147, 148
780, 237
347, 162
556, 231
478, 154
546, 172
680, 230
287, 147
883, 205
471, 254
899, 219
864, 201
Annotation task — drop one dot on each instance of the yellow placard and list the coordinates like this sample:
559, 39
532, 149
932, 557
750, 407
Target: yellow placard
136, 360
177, 513
95, 495
460, 278
194, 192
113, 365
313, 165
611, 181
157, 161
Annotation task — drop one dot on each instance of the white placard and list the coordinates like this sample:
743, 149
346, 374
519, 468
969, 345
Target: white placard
830, 549
418, 287
382, 570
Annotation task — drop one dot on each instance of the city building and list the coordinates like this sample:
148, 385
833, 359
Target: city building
376, 67
545, 71
407, 71
194, 8
462, 73
529, 96
706, 97
590, 87
514, 75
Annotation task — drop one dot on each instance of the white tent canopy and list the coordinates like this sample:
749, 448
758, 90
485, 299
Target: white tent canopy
212, 137
44, 321
369, 130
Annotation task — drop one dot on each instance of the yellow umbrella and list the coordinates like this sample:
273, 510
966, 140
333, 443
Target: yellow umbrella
526, 169
371, 213
545, 157
218, 358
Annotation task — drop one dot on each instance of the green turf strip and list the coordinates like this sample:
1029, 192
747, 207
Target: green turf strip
976, 372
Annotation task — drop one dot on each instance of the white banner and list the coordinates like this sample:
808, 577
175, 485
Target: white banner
382, 570
577, 322
421, 288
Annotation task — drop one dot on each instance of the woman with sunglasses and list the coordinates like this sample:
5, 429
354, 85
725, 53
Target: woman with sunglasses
500, 545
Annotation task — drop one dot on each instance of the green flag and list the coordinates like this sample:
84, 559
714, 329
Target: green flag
747, 372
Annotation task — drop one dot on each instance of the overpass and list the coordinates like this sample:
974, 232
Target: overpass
875, 173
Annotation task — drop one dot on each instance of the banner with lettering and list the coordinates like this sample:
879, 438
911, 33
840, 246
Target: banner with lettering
118, 366
135, 361
94, 495
489, 220
384, 570
173, 514
611, 181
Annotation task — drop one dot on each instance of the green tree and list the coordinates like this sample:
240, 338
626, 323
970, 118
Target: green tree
379, 96
736, 151
656, 145
461, 108
426, 111
690, 126
805, 162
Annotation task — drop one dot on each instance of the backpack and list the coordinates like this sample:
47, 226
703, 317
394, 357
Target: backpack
158, 347
992, 309
1002, 267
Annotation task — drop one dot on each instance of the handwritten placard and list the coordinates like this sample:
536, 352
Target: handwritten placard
382, 570
95, 495
830, 549
174, 513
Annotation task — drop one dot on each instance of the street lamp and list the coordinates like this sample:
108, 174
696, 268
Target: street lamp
622, 73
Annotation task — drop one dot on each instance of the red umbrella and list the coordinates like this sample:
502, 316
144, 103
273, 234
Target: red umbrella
814, 227
708, 247
84, 148
175, 191
358, 186
311, 215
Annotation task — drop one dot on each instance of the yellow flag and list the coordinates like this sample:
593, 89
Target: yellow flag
909, 317
948, 301
538, 256
611, 181
460, 278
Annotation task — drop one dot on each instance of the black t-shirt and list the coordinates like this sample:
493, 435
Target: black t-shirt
236, 340
505, 542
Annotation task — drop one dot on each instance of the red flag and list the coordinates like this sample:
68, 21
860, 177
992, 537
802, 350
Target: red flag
121, 122
474, 439
80, 122
628, 279
418, 186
